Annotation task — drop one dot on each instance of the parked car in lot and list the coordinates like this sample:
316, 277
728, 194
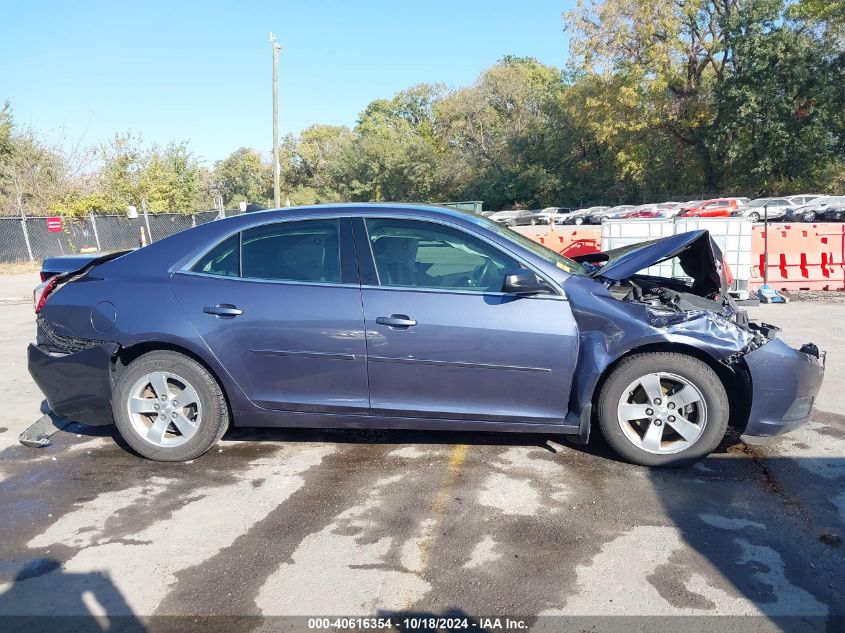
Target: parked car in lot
510, 218
532, 218
542, 216
775, 208
411, 317
803, 198
715, 208
835, 211
664, 210
596, 217
632, 212
554, 215
812, 211
579, 216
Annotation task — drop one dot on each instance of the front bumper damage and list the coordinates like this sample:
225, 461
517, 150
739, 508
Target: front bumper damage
77, 385
784, 383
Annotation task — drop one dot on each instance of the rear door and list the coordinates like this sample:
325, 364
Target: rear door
280, 306
444, 341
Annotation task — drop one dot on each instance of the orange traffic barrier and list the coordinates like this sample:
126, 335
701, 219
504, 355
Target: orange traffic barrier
801, 256
566, 240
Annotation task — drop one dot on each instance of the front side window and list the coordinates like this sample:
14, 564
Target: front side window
292, 251
223, 260
415, 254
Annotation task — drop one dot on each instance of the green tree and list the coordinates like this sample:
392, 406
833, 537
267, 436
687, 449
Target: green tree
486, 130
122, 162
244, 176
171, 180
782, 104
313, 165
394, 156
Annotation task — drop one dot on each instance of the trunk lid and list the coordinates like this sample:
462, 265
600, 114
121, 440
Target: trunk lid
71, 264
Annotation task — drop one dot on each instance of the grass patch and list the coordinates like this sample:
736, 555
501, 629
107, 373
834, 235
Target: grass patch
18, 268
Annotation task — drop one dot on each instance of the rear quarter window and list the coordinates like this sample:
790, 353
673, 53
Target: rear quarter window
223, 260
305, 251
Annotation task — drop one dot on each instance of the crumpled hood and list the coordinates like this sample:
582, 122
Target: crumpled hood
699, 256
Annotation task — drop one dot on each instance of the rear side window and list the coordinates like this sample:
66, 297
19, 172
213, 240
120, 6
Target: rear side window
222, 260
292, 251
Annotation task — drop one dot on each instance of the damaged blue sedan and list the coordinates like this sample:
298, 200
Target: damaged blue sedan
410, 317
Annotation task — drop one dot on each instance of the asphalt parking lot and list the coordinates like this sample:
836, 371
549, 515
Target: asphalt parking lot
367, 523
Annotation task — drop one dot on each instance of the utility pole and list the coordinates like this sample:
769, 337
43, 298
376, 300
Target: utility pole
277, 197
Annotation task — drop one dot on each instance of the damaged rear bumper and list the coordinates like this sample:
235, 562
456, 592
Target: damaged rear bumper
77, 385
785, 383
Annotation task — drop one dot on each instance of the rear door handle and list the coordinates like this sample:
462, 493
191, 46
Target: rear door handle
396, 320
223, 310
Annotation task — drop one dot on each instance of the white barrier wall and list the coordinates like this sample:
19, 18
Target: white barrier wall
618, 233
733, 235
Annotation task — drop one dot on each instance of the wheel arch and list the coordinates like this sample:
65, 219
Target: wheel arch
735, 379
125, 355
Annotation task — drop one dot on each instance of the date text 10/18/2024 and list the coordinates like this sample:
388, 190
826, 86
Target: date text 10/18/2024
408, 623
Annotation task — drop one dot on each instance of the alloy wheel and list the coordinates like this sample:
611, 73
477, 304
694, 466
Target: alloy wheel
164, 409
662, 413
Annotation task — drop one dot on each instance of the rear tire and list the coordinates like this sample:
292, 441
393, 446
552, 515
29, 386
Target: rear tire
639, 406
150, 417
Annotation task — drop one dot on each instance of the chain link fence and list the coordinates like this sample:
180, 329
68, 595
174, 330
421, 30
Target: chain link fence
29, 239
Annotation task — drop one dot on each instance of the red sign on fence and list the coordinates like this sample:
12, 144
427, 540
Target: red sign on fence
54, 224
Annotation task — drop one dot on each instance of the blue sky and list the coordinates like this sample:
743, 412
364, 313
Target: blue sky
200, 70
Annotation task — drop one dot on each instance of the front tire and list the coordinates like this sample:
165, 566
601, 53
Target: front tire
663, 409
168, 407
754, 216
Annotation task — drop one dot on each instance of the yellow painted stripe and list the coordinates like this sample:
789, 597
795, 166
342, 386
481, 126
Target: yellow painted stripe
439, 505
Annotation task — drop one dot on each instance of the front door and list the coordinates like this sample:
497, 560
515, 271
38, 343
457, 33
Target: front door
443, 341
282, 312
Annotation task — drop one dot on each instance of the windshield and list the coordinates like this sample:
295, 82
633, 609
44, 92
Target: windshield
758, 203
564, 263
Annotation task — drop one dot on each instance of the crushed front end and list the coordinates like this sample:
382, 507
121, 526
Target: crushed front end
785, 383
773, 386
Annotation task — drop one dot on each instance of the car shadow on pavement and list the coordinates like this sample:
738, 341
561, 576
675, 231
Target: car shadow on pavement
43, 596
778, 548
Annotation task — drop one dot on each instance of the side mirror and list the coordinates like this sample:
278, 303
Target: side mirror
524, 282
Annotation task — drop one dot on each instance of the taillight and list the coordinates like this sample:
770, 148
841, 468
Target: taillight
41, 292
45, 276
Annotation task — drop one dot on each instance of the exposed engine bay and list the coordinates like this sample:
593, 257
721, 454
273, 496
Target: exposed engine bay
701, 293
669, 295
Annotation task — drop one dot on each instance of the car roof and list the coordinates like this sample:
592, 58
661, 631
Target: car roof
172, 252
350, 208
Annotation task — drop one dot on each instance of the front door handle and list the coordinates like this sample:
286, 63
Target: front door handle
223, 310
396, 320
